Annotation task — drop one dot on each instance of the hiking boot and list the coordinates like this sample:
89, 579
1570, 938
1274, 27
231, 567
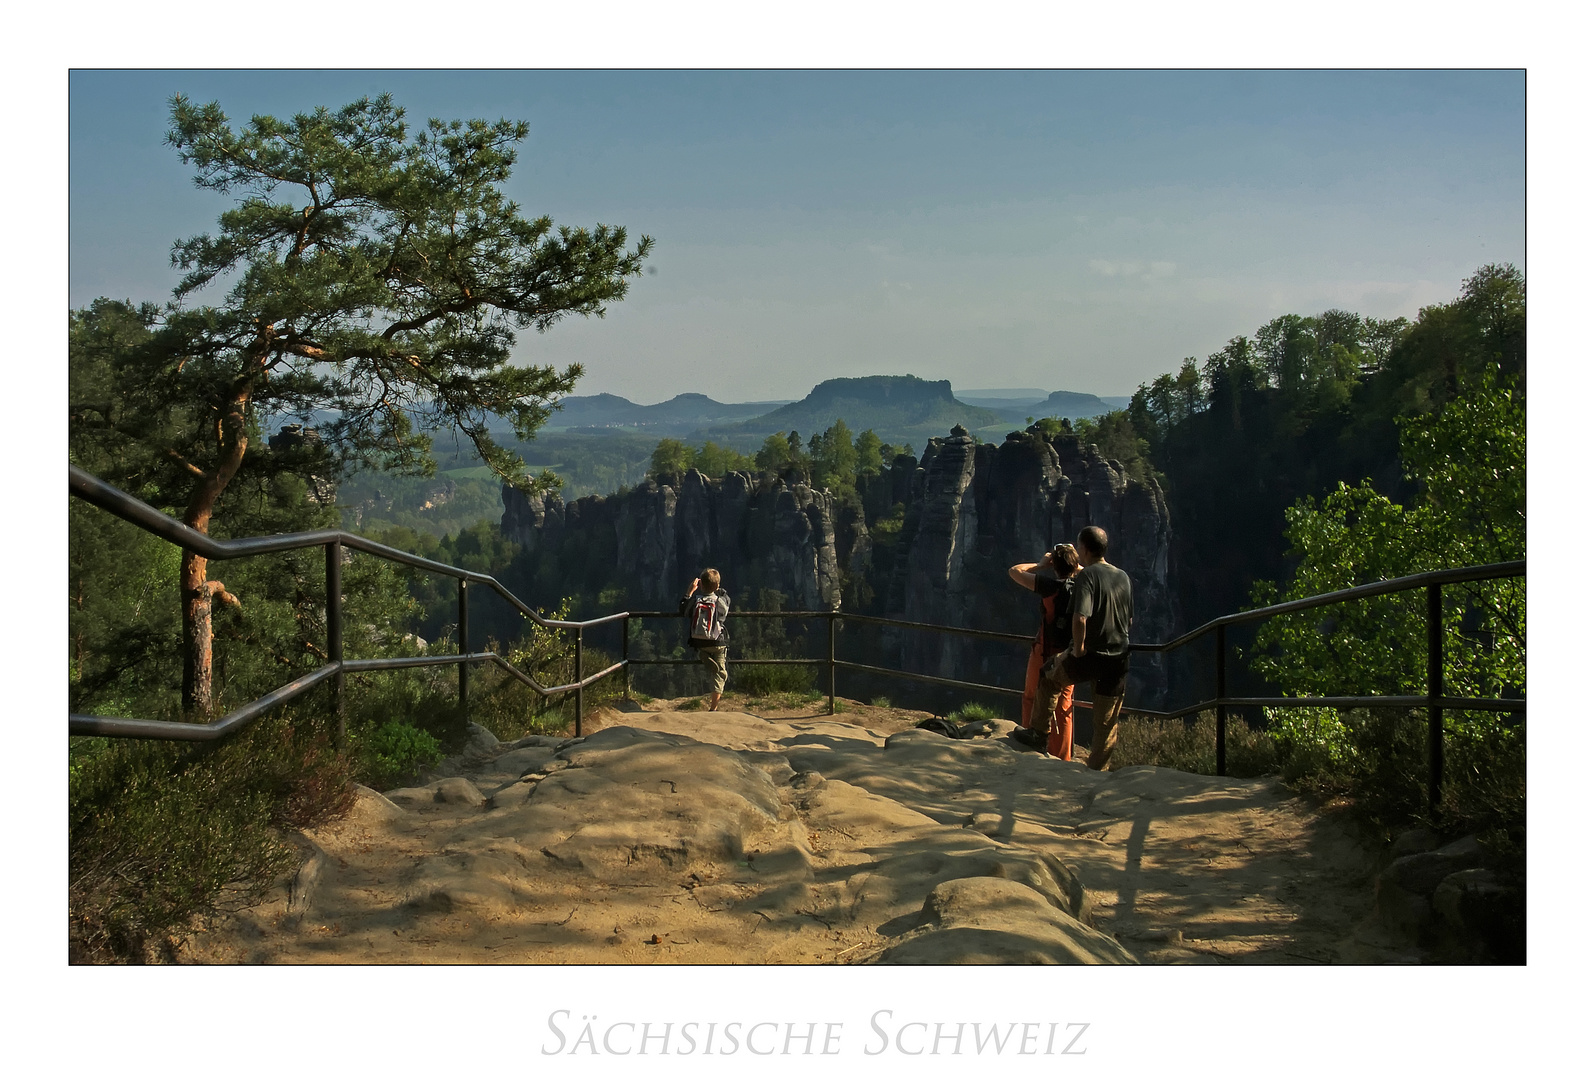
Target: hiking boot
1030, 738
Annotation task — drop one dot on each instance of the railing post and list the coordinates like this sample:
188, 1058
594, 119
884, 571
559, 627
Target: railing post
579, 687
830, 661
1219, 691
335, 631
625, 657
465, 650
1436, 688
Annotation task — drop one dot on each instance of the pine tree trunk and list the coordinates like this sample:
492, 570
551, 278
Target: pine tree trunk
197, 593
196, 637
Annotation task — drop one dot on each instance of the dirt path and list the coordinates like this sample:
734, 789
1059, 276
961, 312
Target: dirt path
688, 837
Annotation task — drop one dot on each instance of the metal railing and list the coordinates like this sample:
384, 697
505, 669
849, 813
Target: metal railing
95, 491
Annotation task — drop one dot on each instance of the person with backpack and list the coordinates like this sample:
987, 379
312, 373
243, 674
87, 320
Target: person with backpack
1053, 579
708, 608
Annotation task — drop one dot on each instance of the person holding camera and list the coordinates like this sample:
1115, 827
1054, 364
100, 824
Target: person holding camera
1053, 580
1101, 610
708, 609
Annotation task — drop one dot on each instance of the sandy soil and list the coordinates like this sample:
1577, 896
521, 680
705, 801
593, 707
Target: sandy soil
627, 862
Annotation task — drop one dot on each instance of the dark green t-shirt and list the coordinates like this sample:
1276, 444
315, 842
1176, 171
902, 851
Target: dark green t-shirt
1102, 595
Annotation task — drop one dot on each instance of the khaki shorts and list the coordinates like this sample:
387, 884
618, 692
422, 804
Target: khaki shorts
714, 658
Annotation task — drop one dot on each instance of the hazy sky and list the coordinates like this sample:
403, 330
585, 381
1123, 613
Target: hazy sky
1066, 230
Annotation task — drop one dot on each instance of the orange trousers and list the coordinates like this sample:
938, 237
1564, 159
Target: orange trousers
1060, 738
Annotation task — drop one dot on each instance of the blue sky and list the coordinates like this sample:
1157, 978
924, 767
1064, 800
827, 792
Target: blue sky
1066, 230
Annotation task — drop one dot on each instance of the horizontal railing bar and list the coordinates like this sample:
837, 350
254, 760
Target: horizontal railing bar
477, 658
845, 616
589, 680
699, 663
393, 663
929, 678
93, 490
1405, 701
1378, 588
117, 727
881, 621
744, 615
173, 730
1391, 701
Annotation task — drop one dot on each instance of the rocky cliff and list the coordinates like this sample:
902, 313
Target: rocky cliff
760, 533
975, 509
971, 510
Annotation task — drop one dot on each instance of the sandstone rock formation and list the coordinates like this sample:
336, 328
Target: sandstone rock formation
971, 511
728, 838
759, 533
977, 509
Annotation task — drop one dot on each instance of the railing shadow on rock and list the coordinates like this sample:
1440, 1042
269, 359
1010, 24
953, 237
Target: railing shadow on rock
85, 486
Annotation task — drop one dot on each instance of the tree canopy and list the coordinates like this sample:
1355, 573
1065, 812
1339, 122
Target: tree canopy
367, 276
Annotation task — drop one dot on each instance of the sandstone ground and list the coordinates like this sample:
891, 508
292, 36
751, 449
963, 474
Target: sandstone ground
688, 837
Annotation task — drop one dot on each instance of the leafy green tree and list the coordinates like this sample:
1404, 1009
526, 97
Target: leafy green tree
1115, 437
784, 456
374, 274
835, 458
671, 457
773, 455
869, 448
1470, 461
712, 459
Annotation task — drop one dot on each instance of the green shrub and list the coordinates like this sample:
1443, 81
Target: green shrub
690, 705
762, 680
792, 699
1192, 746
1310, 741
394, 751
971, 711
158, 830
881, 702
1380, 759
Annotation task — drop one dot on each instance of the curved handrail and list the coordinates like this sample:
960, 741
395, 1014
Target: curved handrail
92, 489
1486, 572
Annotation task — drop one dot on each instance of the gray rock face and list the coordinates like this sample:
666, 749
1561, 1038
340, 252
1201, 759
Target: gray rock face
978, 509
759, 534
1448, 898
971, 511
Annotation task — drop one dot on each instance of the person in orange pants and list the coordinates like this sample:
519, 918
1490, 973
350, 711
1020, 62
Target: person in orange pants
1063, 562
1060, 739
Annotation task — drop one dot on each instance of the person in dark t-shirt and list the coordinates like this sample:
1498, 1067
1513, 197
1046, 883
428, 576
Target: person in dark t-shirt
1101, 611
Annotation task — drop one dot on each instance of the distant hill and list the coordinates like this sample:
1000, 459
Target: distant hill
1007, 395
1073, 406
681, 415
898, 408
1064, 403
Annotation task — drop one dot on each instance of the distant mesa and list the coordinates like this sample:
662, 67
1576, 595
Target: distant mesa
983, 397
896, 407
1067, 403
681, 414
893, 406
